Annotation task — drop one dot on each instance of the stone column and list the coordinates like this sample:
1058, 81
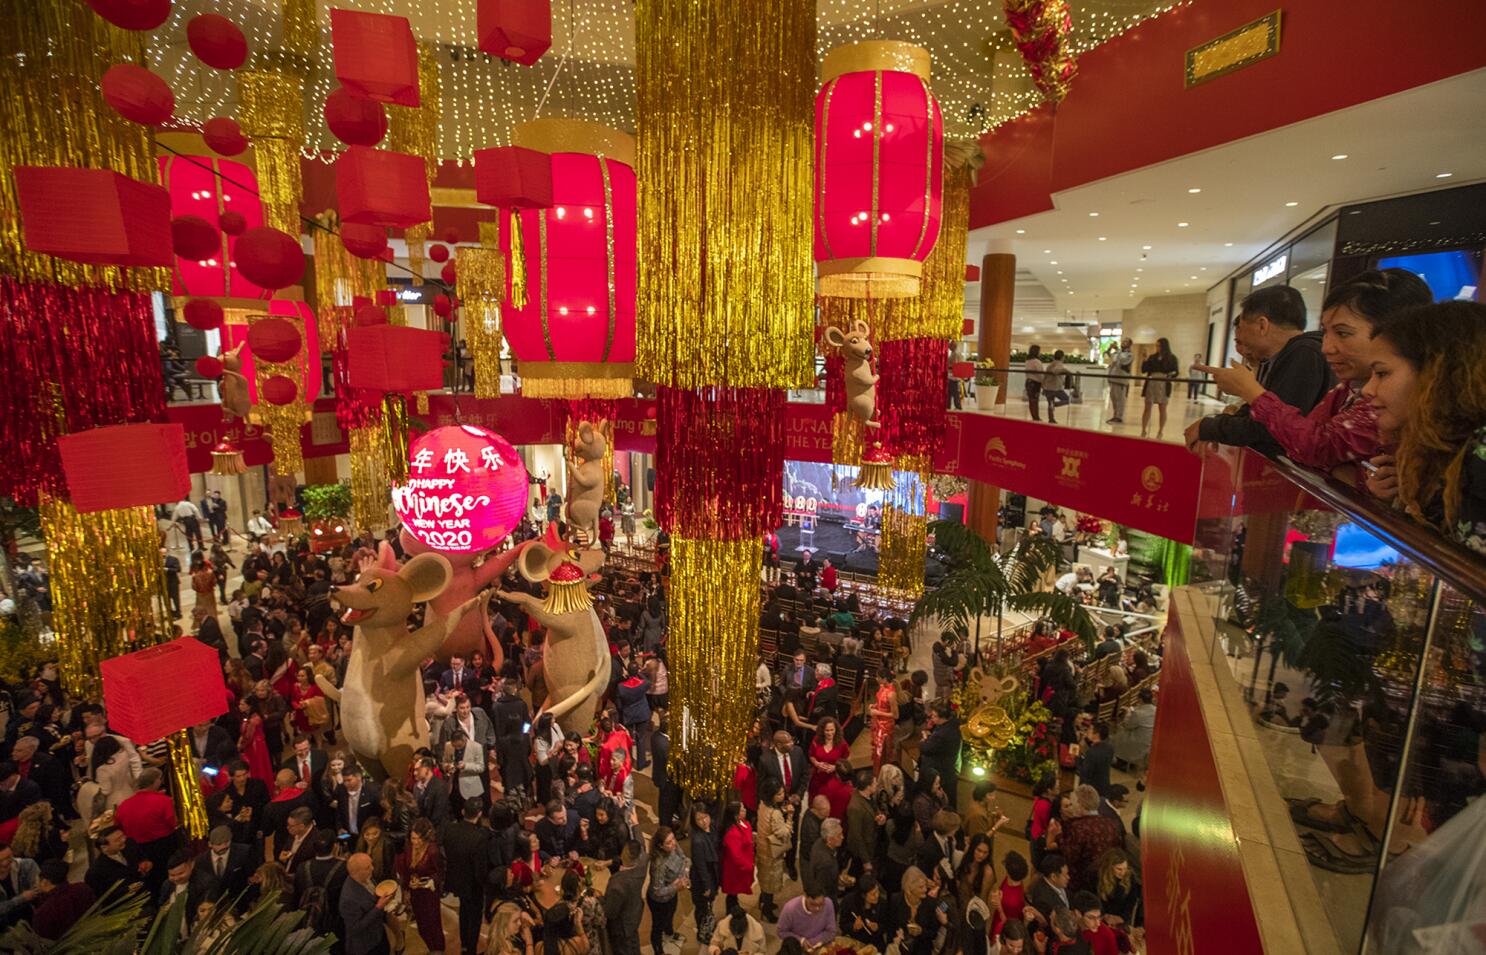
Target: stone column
997, 290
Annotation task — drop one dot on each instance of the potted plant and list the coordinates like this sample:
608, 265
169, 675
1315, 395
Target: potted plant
986, 381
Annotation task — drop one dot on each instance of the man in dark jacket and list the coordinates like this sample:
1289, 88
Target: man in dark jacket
706, 869
940, 750
1270, 330
1096, 759
431, 793
821, 873
624, 900
468, 848
863, 823
511, 720
669, 800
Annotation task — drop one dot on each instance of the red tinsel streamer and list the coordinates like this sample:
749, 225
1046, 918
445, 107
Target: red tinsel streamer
912, 394
592, 409
720, 462
1040, 31
81, 357
354, 407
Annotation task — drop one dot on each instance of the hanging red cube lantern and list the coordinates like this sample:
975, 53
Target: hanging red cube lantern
571, 322
512, 177
375, 56
397, 359
224, 193
154, 692
94, 215
879, 161
382, 188
125, 465
515, 30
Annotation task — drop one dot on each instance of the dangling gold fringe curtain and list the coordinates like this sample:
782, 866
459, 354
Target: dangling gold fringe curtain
272, 116
903, 550
340, 278
370, 489
415, 131
482, 286
942, 308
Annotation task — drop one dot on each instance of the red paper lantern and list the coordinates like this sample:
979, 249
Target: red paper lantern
194, 238
962, 370
375, 56
449, 273
216, 41
132, 14
218, 190
224, 136
155, 692
441, 306
94, 215
125, 465
280, 390
466, 489
511, 177
369, 315
392, 358
269, 258
203, 314
273, 339
363, 241
209, 367
355, 119
232, 223
515, 30
438, 252
879, 160
382, 188
575, 333
451, 236
138, 95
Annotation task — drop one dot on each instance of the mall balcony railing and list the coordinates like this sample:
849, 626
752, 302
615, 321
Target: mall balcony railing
1338, 654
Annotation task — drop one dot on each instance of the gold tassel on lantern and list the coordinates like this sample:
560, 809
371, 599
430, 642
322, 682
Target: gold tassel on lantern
713, 653
876, 473
185, 783
482, 285
567, 592
227, 459
518, 262
395, 431
108, 589
370, 489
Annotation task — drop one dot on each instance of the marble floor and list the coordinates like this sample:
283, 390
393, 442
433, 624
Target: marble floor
1094, 415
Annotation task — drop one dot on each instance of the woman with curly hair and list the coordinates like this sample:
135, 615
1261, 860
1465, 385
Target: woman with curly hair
1428, 386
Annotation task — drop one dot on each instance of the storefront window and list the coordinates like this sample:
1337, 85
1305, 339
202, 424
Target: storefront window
1310, 268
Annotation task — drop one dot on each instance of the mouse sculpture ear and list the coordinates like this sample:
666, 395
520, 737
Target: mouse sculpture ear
427, 575
387, 557
861, 326
533, 562
834, 338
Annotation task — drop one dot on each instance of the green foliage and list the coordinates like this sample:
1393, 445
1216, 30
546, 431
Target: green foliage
327, 500
1032, 752
20, 648
1017, 356
1316, 644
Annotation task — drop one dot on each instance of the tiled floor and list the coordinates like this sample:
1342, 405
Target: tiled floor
1094, 415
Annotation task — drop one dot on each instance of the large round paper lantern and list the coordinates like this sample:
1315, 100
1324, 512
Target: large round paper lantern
273, 339
217, 41
132, 14
194, 238
220, 191
466, 489
574, 334
449, 274
285, 317
203, 314
232, 223
138, 95
269, 258
354, 119
224, 136
438, 252
363, 241
879, 160
280, 390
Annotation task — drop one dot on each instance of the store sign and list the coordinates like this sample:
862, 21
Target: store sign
466, 489
1272, 269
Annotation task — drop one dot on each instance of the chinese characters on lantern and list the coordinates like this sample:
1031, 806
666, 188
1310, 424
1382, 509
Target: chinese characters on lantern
466, 489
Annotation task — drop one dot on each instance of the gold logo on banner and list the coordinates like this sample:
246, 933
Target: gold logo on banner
993, 447
1070, 467
1152, 478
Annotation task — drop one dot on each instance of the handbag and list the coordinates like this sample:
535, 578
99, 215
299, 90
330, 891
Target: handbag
317, 711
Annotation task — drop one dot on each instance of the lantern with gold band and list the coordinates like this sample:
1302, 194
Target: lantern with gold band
575, 336
879, 143
223, 194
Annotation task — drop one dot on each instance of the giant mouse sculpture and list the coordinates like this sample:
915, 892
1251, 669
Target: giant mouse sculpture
586, 480
575, 656
233, 387
381, 701
861, 384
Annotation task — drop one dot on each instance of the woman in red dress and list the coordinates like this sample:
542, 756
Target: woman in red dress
737, 853
420, 869
1012, 896
826, 751
883, 714
309, 718
745, 779
251, 743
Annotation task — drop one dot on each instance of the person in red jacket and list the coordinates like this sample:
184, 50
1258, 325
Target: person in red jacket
1092, 929
828, 576
737, 854
148, 819
61, 903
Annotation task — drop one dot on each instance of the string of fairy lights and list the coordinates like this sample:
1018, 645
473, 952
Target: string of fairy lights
978, 77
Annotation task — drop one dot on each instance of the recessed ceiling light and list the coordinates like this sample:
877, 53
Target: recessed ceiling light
1434, 222
1103, 238
1021, 232
1182, 225
1443, 175
1192, 277
1202, 268
1340, 156
1060, 271
1168, 291
1132, 285
1194, 190
1053, 262
1227, 245
1047, 251
1289, 205
1140, 270
1093, 215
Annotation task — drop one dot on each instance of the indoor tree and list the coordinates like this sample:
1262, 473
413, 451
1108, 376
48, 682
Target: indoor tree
981, 582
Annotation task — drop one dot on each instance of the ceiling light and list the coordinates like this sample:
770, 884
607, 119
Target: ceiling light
1340, 156
1194, 190
1029, 328
1291, 205
1053, 262
1146, 247
1060, 271
1227, 245
1093, 215
1443, 175
1132, 285
1182, 225
1202, 269
1103, 238
1021, 232
1047, 251
1140, 270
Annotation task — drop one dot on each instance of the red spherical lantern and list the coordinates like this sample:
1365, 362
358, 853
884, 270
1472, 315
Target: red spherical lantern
466, 489
269, 258
232, 223
138, 95
209, 367
575, 332
363, 241
370, 315
438, 252
451, 236
279, 390
194, 238
224, 136
449, 273
203, 314
132, 14
217, 41
442, 307
354, 119
273, 339
879, 160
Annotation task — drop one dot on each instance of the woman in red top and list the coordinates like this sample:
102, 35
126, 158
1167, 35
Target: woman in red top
251, 744
745, 779
737, 854
309, 718
1011, 898
420, 869
826, 750
828, 577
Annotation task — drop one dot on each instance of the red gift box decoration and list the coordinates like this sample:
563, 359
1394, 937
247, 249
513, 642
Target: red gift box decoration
94, 215
375, 56
154, 692
515, 30
382, 188
962, 370
513, 177
392, 358
125, 465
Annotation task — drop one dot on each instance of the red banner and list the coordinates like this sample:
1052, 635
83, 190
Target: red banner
1194, 882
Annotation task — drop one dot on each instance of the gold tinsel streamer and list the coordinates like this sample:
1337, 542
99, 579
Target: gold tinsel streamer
713, 652
190, 807
846, 439
943, 297
518, 260
283, 422
395, 437
725, 117
900, 566
53, 54
566, 596
370, 492
482, 285
415, 130
108, 591
272, 116
340, 278
301, 30
576, 388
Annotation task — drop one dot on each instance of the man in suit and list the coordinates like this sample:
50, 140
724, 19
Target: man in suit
510, 715
183, 878
118, 860
275, 819
228, 864
821, 874
211, 745
16, 791
355, 799
362, 913
49, 774
863, 822
240, 805
823, 699
460, 678
475, 723
669, 799
307, 764
300, 845
937, 853
1050, 893
785, 762
624, 900
431, 793
799, 675
1096, 759
940, 750
468, 857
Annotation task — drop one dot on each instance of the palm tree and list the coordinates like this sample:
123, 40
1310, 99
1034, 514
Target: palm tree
981, 582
